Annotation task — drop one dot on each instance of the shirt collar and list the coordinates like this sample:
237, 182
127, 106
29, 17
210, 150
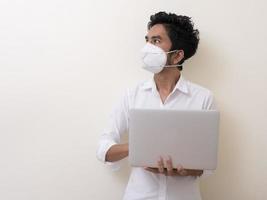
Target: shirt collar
181, 85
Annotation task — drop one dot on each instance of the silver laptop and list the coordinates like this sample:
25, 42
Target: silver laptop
190, 137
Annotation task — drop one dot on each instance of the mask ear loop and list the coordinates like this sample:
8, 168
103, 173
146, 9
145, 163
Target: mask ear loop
177, 65
171, 51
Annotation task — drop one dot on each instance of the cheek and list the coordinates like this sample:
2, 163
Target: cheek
165, 46
160, 45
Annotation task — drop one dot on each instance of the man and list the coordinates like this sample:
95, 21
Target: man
170, 40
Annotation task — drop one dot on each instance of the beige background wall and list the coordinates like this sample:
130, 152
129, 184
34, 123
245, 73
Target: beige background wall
63, 64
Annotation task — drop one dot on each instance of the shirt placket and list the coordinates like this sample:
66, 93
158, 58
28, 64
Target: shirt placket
162, 193
162, 105
162, 187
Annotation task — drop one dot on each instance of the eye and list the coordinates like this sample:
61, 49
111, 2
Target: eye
156, 41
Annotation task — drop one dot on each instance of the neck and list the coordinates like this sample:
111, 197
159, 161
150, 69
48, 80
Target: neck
167, 79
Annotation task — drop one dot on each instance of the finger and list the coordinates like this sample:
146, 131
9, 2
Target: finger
179, 168
151, 169
183, 172
190, 171
169, 166
161, 165
194, 172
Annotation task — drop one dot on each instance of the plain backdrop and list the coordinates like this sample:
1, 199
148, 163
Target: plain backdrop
64, 64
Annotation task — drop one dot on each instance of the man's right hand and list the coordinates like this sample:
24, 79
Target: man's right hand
117, 152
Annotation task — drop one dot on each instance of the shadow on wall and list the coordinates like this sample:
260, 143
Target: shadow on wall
208, 66
211, 68
228, 160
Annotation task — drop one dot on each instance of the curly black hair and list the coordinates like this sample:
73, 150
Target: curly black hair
180, 30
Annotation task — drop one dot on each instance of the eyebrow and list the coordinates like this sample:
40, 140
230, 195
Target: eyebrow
154, 37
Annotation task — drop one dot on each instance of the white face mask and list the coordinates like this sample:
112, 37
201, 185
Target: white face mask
154, 58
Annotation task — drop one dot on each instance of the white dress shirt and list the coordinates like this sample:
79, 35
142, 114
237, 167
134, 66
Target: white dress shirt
145, 185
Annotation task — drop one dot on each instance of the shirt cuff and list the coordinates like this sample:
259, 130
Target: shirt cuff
103, 148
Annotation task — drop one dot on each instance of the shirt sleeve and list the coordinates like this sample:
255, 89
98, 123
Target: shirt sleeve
209, 104
118, 123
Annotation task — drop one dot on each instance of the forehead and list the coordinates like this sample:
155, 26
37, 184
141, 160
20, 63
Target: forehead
158, 30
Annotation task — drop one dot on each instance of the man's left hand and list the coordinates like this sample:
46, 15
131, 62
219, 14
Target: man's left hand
167, 169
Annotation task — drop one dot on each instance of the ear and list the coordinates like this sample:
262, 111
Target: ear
178, 56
